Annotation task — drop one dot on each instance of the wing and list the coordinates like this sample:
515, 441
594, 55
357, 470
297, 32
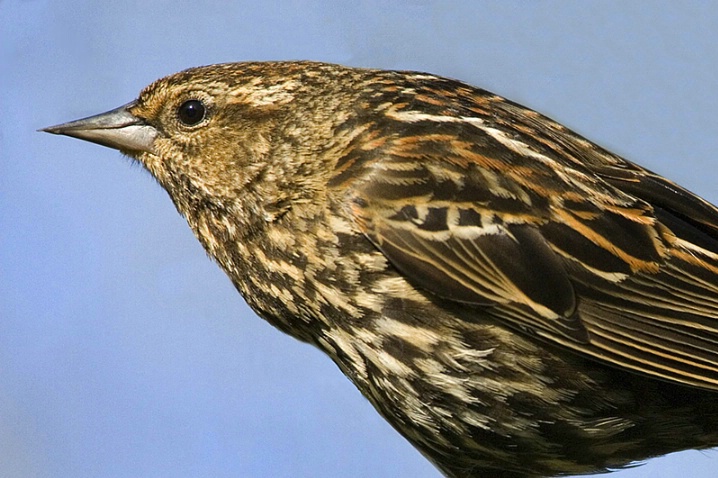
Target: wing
542, 229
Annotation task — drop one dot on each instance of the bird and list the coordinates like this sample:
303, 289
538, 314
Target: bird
515, 300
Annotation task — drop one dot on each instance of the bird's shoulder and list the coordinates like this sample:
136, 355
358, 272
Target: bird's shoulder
484, 202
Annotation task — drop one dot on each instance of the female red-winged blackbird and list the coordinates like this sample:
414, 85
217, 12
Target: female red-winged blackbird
515, 300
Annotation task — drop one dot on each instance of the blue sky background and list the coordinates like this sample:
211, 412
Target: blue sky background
125, 352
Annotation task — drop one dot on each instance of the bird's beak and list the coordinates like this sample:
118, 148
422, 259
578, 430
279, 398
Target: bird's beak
118, 129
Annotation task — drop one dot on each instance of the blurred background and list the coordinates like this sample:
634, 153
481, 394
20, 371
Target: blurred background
125, 352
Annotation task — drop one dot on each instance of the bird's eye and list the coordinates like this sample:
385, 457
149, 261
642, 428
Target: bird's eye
191, 112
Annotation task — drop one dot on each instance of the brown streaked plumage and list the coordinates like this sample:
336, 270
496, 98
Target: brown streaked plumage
515, 300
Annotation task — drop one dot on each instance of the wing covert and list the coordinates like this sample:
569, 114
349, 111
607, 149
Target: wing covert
593, 253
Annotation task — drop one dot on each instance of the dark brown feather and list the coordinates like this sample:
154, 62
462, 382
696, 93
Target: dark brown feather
539, 222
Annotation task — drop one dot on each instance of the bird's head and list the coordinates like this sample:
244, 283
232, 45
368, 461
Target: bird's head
243, 137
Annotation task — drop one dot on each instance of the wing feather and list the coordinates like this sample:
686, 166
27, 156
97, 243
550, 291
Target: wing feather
551, 234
